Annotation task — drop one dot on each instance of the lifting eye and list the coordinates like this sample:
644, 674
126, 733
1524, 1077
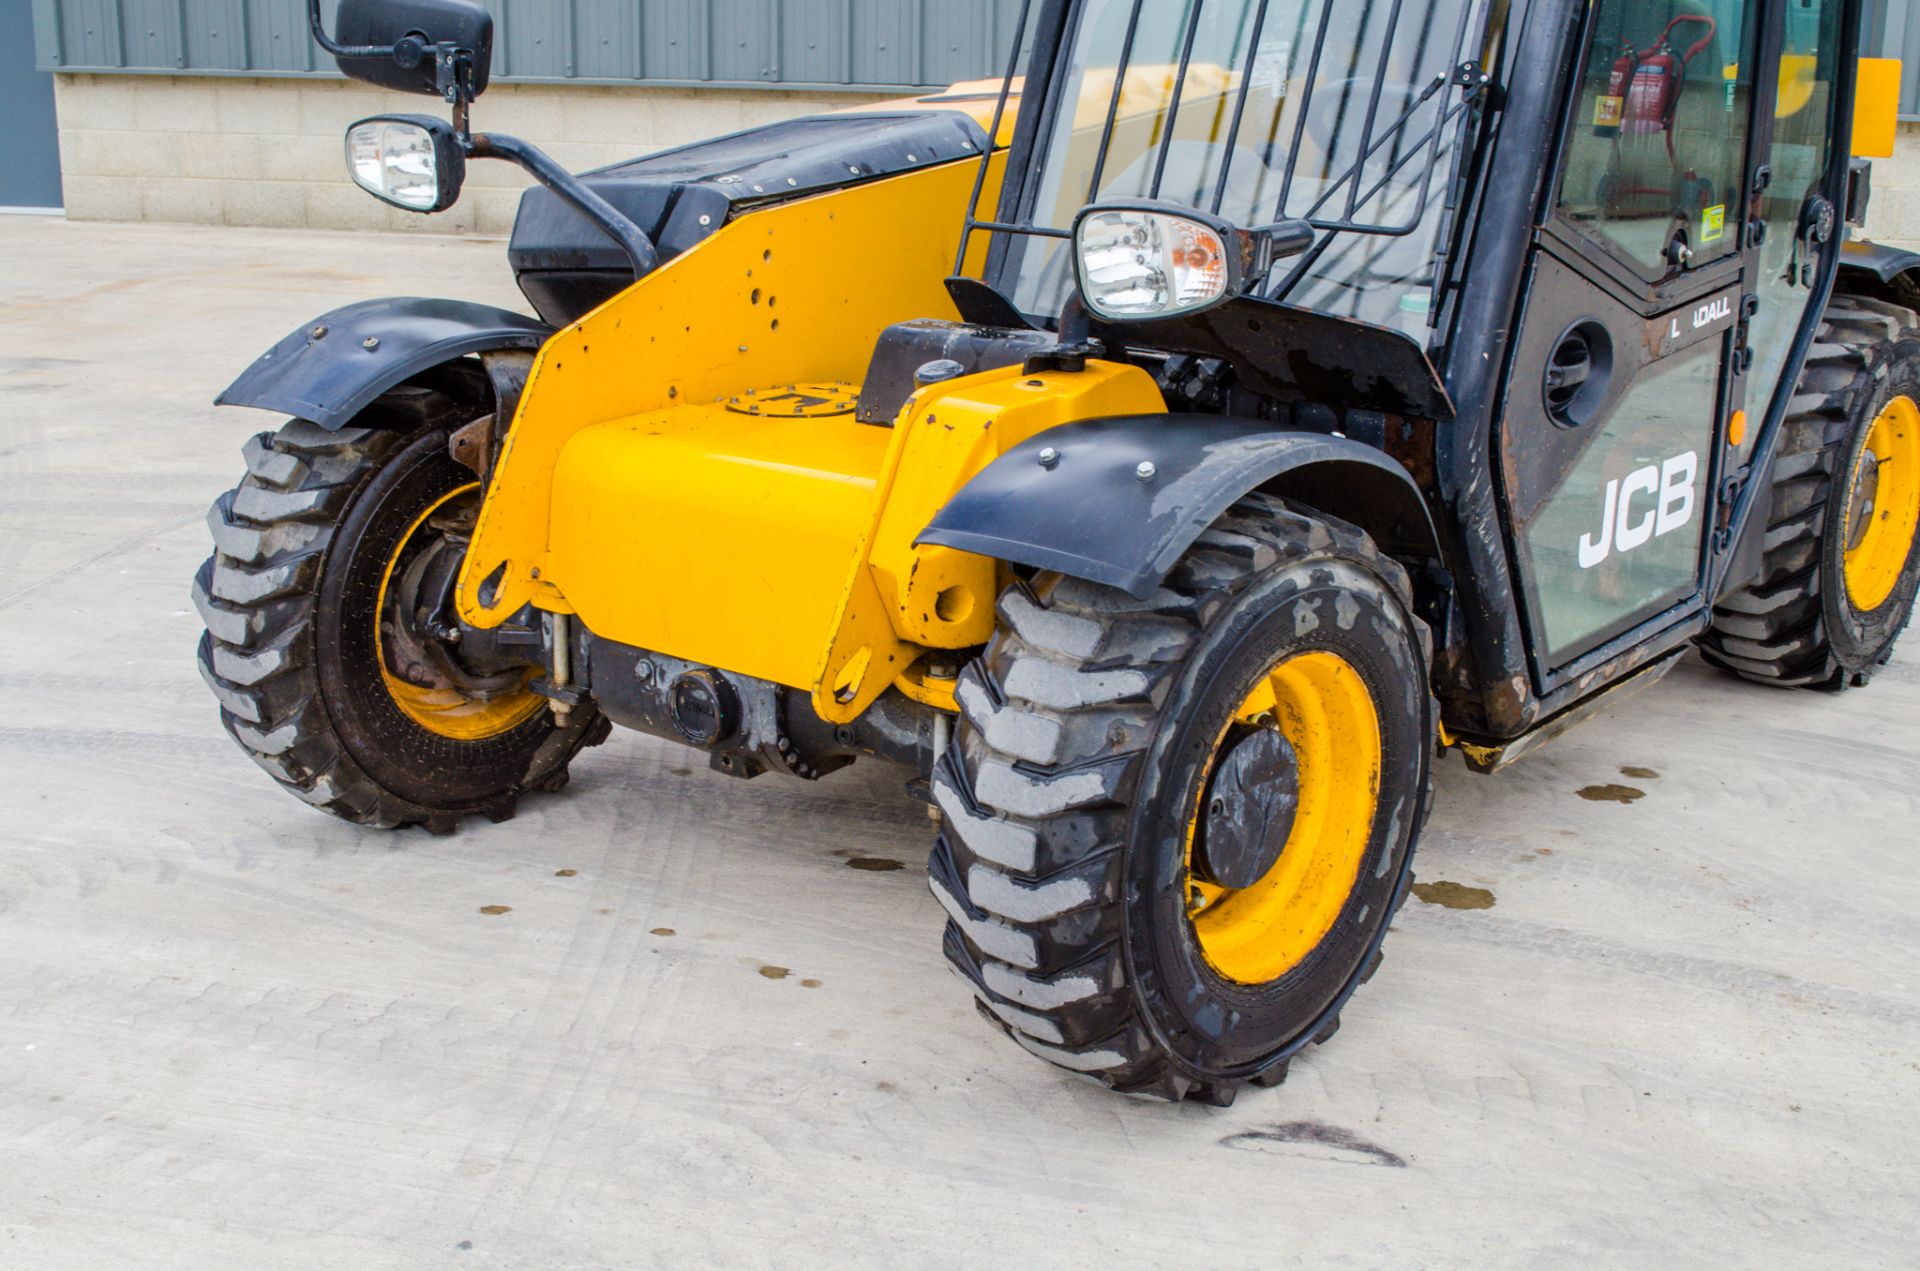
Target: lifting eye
954, 605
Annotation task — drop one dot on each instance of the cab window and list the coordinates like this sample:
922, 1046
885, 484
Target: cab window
1655, 159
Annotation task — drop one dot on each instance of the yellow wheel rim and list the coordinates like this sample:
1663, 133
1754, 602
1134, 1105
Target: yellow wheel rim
446, 712
1257, 934
1883, 506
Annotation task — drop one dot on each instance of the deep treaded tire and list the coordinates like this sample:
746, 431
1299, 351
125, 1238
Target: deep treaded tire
1086, 729
1795, 624
301, 547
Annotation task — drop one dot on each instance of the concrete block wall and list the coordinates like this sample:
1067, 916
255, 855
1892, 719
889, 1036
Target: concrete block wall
270, 152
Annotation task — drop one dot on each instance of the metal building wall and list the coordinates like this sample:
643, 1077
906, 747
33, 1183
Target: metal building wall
786, 43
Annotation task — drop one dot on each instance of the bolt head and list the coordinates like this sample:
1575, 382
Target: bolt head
319, 332
1049, 457
371, 343
1146, 472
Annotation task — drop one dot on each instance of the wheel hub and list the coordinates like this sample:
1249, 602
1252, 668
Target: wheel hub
1252, 804
419, 642
1276, 839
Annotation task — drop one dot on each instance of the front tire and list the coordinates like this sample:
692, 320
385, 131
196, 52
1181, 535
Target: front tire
320, 678
1078, 865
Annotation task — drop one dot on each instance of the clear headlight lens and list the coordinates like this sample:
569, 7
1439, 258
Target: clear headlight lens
1140, 264
394, 160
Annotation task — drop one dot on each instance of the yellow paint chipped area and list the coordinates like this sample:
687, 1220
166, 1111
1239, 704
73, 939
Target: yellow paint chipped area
792, 294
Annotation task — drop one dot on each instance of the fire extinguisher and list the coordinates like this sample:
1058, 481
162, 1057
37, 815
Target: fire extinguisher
1612, 106
1643, 88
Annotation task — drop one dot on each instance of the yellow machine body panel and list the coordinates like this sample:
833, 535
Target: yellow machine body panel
781, 545
685, 472
794, 293
1876, 107
899, 599
714, 536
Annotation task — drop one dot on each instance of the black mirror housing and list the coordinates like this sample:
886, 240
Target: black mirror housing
413, 29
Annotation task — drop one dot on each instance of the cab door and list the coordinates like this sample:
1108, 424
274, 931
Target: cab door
1622, 381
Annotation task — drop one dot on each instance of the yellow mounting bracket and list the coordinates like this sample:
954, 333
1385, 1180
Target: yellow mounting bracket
902, 600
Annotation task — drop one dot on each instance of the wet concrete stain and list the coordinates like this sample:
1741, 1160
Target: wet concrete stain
681, 772
1454, 895
663, 931
496, 910
1640, 774
775, 972
810, 984
565, 873
1611, 794
874, 864
1315, 1139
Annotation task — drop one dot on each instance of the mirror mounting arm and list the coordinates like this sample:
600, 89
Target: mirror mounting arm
326, 43
632, 239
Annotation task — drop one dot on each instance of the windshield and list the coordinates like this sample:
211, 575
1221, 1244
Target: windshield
1340, 112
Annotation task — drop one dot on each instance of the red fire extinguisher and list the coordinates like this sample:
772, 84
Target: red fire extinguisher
1643, 88
1612, 106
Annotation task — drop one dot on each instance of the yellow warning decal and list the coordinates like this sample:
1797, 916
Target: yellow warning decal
1608, 111
1713, 223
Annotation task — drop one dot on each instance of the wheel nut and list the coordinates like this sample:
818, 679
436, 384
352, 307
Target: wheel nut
1049, 457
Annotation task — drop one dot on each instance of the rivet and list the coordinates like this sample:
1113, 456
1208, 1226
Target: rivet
706, 220
1146, 472
319, 332
371, 343
1049, 457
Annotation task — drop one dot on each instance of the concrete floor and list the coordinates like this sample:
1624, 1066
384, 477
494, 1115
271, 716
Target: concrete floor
236, 1033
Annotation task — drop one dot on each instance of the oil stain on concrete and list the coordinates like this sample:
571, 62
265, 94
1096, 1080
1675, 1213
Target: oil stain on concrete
496, 910
1611, 794
1454, 895
1317, 1140
775, 972
874, 864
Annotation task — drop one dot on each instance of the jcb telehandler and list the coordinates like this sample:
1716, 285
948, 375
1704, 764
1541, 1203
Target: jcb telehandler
1164, 454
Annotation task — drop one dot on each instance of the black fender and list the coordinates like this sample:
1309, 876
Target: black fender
334, 367
1874, 269
1093, 511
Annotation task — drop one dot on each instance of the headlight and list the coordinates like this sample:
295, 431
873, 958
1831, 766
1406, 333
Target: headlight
1139, 263
1136, 264
412, 162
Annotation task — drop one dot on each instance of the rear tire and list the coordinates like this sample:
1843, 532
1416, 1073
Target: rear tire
1088, 732
1798, 624
292, 597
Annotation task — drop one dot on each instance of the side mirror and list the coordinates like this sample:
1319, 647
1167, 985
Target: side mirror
414, 162
1137, 262
398, 43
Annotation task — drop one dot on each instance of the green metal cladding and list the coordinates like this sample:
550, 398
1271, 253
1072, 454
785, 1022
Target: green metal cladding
770, 43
